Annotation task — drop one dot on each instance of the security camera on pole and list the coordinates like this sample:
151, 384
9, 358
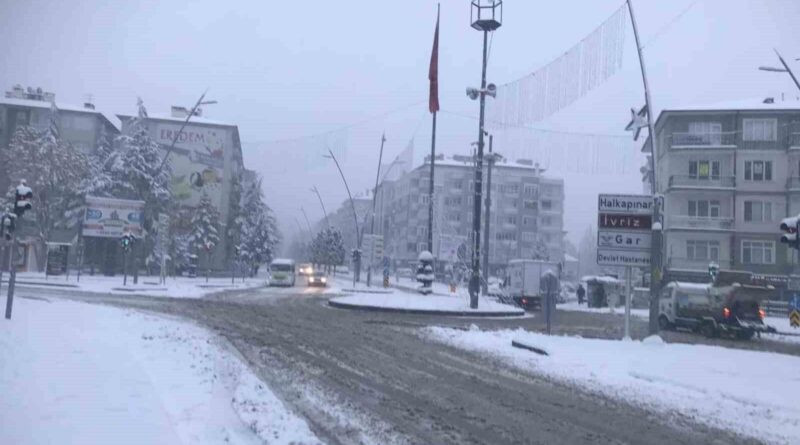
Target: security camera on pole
22, 203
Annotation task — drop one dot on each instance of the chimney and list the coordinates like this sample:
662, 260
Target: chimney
181, 112
769, 100
88, 105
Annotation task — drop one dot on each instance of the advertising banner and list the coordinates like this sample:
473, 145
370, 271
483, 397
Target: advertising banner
111, 217
198, 161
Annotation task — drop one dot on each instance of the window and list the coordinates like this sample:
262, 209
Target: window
511, 189
424, 199
529, 236
422, 247
506, 236
528, 221
758, 170
546, 221
530, 190
511, 219
411, 247
760, 129
453, 216
702, 250
457, 184
547, 205
708, 132
704, 169
757, 211
530, 205
452, 201
422, 231
758, 252
704, 208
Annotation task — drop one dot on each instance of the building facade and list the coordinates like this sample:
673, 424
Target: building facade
206, 159
729, 173
527, 210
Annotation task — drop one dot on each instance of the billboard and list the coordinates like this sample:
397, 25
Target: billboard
111, 217
198, 161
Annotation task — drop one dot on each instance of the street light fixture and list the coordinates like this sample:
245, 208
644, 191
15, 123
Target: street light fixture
324, 212
486, 16
189, 115
785, 69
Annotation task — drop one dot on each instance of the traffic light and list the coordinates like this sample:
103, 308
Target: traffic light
7, 225
356, 255
22, 199
127, 241
791, 227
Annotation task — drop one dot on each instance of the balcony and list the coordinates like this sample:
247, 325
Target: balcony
699, 222
715, 182
695, 264
712, 139
793, 183
794, 140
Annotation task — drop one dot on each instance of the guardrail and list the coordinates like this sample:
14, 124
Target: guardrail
775, 308
700, 182
707, 139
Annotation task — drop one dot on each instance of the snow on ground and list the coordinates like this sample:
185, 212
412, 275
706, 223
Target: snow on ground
412, 301
782, 325
752, 393
574, 306
80, 373
178, 287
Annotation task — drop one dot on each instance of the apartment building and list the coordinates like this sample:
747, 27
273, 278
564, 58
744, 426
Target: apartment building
729, 173
527, 209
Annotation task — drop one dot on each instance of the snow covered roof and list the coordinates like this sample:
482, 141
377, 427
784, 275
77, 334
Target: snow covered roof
193, 120
755, 104
569, 258
683, 285
110, 118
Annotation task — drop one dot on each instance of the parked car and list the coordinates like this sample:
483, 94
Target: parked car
317, 278
730, 309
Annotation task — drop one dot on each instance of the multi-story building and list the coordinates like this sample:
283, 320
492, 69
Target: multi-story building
729, 173
527, 209
207, 158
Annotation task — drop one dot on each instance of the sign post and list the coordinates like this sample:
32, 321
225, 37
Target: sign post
624, 237
794, 312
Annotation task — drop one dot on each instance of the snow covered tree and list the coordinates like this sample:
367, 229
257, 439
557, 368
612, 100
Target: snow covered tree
259, 235
204, 235
136, 171
327, 248
54, 169
540, 250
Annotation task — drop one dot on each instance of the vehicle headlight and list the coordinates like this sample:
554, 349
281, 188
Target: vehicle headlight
323, 279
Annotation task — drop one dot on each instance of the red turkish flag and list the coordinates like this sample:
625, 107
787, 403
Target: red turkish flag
433, 71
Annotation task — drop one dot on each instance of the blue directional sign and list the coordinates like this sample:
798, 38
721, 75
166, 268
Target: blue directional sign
794, 303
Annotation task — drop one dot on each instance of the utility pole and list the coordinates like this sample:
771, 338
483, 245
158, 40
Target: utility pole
657, 233
197, 104
374, 201
488, 210
486, 24
308, 224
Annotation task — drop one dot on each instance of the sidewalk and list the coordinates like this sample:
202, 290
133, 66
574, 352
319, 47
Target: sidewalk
178, 287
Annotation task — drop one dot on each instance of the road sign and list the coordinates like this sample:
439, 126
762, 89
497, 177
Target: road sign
624, 221
611, 257
624, 240
794, 319
624, 230
631, 204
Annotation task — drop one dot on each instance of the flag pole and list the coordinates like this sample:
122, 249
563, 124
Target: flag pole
433, 106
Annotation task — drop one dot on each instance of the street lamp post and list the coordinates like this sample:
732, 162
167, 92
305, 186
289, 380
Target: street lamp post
785, 69
357, 257
374, 201
191, 113
485, 17
316, 191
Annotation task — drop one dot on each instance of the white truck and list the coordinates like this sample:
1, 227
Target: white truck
524, 281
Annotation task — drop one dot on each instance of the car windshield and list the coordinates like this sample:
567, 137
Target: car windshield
280, 268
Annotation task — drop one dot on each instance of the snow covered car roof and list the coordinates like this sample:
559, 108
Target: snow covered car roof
283, 261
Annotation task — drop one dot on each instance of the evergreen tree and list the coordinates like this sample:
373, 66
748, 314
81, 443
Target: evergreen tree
259, 235
540, 250
204, 236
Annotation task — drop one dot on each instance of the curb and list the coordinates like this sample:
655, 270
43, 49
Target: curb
535, 349
36, 283
361, 307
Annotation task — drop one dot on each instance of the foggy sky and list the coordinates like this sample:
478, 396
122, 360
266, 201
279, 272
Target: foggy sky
289, 69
